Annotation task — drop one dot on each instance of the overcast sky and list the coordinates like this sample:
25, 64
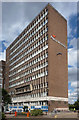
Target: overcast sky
17, 15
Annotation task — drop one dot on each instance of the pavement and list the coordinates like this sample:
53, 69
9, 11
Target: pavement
49, 115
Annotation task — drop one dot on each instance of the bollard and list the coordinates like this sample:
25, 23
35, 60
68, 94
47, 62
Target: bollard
15, 113
28, 114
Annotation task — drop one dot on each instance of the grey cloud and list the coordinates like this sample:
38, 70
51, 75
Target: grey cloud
72, 74
72, 96
22, 13
16, 16
19, 11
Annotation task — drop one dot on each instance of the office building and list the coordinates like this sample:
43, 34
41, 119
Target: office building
36, 63
2, 74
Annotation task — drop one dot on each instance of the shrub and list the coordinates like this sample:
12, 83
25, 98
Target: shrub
36, 112
3, 116
22, 113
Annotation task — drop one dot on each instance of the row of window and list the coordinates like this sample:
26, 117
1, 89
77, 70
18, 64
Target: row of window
29, 79
31, 27
0, 85
0, 74
0, 81
30, 57
33, 103
42, 94
22, 90
28, 72
38, 75
35, 87
29, 43
35, 37
42, 85
29, 50
1, 69
1, 78
33, 62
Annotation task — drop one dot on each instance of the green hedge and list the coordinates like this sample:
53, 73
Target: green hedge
36, 112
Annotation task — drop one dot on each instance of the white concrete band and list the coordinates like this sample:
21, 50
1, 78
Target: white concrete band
64, 109
29, 99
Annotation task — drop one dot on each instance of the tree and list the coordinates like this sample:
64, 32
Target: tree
71, 106
76, 105
6, 98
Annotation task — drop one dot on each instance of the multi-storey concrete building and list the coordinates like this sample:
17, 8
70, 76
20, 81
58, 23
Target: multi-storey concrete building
2, 74
36, 63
